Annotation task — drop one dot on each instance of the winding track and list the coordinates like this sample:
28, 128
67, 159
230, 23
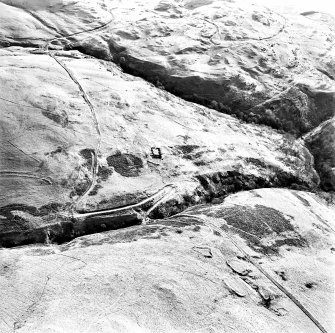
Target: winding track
104, 25
6, 173
96, 153
100, 27
164, 194
95, 164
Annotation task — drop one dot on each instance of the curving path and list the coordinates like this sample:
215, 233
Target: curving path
162, 195
96, 124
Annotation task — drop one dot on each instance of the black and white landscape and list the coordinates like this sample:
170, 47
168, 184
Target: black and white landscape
167, 166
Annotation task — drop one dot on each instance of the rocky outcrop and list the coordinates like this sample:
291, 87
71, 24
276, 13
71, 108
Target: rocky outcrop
321, 143
211, 269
